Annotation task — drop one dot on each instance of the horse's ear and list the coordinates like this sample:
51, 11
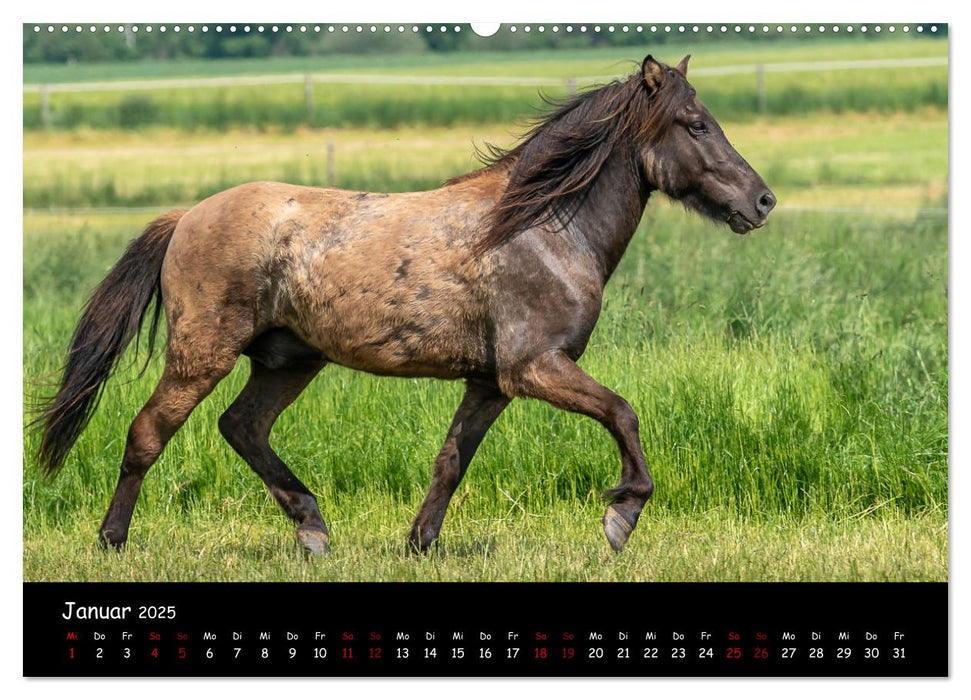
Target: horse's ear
682, 67
653, 73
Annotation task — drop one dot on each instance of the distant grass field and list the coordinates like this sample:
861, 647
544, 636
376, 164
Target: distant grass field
562, 63
393, 106
810, 161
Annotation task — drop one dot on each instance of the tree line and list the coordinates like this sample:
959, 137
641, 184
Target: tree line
135, 42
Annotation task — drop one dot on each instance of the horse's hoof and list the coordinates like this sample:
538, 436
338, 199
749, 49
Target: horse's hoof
418, 548
108, 542
314, 541
617, 528
421, 542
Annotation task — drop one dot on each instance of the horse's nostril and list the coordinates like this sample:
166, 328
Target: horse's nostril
766, 203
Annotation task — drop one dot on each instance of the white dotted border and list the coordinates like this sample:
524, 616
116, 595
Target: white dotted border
415, 28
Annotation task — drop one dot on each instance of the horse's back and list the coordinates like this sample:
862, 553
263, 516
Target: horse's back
282, 216
380, 282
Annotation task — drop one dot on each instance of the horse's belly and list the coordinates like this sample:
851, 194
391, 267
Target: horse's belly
421, 346
392, 330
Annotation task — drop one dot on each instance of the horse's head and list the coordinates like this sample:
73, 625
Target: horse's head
690, 159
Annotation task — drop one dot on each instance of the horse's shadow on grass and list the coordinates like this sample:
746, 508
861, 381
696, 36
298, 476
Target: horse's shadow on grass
443, 549
273, 550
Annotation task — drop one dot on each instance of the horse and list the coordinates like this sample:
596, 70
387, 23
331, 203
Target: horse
496, 278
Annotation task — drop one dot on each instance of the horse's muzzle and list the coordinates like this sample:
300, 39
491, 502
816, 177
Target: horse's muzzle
740, 224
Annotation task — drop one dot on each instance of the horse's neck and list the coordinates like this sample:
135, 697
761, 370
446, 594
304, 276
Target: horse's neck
609, 215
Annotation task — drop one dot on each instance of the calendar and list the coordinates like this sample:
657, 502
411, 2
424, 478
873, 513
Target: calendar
340, 630
386, 349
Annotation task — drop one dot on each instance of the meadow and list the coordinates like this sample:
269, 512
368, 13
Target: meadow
810, 160
791, 384
364, 104
565, 62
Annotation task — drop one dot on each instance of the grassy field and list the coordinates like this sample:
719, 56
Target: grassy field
792, 384
809, 161
561, 63
394, 106
792, 388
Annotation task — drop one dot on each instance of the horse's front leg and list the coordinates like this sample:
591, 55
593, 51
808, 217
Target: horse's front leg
556, 379
481, 405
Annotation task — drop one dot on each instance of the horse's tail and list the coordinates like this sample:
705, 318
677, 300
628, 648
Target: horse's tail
111, 318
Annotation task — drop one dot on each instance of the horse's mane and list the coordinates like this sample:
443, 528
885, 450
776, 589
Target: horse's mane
560, 157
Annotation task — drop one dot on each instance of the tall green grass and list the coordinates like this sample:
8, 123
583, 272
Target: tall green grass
799, 372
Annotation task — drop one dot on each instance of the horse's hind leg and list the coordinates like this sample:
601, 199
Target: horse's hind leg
174, 398
481, 405
246, 425
556, 379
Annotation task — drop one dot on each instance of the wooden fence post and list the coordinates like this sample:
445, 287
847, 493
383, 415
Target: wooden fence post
308, 96
760, 86
45, 107
331, 164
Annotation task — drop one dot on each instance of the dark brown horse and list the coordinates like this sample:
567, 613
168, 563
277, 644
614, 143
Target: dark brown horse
495, 278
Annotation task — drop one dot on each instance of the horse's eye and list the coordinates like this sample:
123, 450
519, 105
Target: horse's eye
698, 127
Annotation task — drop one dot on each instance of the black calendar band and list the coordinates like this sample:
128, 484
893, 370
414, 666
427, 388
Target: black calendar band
486, 629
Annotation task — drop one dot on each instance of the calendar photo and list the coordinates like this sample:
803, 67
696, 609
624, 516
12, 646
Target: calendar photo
362, 318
